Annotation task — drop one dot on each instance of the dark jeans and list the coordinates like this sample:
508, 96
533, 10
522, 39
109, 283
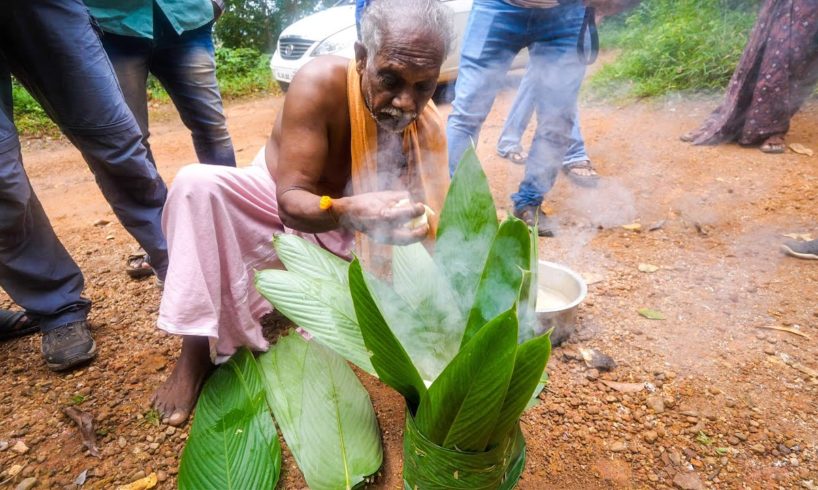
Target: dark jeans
495, 33
54, 50
185, 66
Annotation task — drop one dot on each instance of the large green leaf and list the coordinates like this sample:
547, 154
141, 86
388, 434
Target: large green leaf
529, 364
468, 223
390, 360
527, 304
462, 406
321, 307
303, 257
323, 412
502, 276
233, 442
433, 332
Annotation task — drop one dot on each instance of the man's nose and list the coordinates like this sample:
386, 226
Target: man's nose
404, 101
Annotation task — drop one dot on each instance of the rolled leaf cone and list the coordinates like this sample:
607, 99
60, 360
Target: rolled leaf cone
427, 466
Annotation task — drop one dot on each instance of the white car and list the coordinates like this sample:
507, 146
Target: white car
332, 31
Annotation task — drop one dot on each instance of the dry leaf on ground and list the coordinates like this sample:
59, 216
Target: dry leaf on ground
799, 236
651, 314
624, 387
801, 149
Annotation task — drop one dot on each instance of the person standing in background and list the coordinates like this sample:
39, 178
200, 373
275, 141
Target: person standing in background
53, 49
776, 73
496, 31
576, 164
173, 41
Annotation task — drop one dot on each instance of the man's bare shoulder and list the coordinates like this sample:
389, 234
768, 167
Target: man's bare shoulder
323, 79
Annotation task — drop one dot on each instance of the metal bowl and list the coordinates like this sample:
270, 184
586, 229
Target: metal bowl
561, 292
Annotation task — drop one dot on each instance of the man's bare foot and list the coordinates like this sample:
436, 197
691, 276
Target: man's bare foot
177, 396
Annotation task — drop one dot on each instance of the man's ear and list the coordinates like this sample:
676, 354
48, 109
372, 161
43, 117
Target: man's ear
360, 57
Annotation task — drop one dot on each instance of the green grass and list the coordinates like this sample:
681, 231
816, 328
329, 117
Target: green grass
674, 46
241, 72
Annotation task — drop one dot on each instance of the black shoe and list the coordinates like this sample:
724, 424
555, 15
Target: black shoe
68, 346
534, 217
802, 250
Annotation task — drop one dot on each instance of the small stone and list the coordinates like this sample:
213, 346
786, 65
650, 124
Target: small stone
4, 445
783, 449
170, 430
741, 436
733, 440
592, 375
121, 442
19, 447
161, 475
138, 475
656, 403
758, 448
687, 481
650, 436
26, 484
769, 350
14, 470
618, 447
101, 222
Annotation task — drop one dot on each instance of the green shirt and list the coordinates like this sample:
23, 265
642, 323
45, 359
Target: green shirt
135, 17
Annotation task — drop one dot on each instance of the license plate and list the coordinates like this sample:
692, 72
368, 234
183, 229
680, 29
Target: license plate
285, 75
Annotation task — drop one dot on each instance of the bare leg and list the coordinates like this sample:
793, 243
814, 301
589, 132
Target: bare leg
177, 396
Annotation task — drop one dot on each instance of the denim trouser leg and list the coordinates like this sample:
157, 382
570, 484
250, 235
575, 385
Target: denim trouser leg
557, 74
494, 35
47, 283
130, 58
518, 118
185, 65
53, 49
576, 149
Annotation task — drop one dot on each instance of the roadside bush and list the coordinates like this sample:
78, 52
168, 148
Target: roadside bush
241, 72
675, 45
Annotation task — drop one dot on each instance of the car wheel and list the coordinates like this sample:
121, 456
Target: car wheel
283, 86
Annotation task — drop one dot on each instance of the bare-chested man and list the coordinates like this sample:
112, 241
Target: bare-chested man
362, 133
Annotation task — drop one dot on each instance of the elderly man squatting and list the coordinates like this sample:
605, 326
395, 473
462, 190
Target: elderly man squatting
363, 133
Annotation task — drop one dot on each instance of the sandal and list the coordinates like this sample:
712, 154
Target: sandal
136, 265
584, 180
15, 324
773, 145
515, 157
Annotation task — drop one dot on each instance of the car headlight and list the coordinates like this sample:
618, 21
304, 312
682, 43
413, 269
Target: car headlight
339, 41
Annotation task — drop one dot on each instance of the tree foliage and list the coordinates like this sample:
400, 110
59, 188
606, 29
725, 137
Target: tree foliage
258, 23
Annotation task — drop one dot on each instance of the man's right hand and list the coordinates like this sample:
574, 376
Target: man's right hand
378, 215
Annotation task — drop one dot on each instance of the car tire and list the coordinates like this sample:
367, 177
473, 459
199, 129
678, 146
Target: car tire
283, 86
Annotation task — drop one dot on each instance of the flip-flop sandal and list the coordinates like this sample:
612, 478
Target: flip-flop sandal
15, 324
581, 180
772, 148
135, 265
515, 157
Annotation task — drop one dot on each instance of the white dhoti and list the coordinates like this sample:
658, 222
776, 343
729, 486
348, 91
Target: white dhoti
219, 223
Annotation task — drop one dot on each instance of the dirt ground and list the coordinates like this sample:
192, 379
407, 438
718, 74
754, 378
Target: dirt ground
723, 403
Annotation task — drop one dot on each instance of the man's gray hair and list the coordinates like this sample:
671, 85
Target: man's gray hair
430, 15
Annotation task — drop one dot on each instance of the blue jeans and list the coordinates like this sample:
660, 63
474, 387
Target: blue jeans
520, 115
53, 49
185, 66
495, 33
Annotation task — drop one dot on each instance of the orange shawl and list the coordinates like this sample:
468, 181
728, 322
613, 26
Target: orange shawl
424, 144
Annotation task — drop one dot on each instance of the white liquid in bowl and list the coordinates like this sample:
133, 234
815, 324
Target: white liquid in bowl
551, 299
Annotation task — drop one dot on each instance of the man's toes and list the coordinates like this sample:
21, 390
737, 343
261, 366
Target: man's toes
178, 417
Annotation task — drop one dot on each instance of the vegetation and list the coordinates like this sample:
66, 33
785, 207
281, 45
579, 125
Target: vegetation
674, 45
455, 333
240, 72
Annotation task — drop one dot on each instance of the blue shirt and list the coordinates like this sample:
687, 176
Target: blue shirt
135, 17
